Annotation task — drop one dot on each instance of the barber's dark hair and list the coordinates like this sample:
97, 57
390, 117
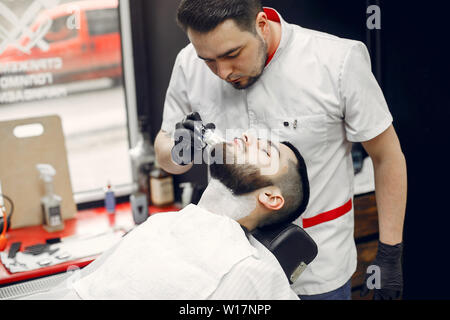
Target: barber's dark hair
206, 15
295, 190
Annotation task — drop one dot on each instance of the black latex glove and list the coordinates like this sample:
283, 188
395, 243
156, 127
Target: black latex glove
389, 261
191, 126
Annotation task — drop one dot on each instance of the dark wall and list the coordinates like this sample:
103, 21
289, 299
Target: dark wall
157, 39
411, 62
415, 72
334, 17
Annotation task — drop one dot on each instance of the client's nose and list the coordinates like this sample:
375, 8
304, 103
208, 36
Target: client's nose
248, 139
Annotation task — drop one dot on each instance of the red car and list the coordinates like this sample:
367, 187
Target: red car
74, 41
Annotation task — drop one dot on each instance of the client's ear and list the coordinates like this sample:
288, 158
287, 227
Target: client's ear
271, 198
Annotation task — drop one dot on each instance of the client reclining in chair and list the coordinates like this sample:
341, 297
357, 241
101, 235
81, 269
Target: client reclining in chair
206, 251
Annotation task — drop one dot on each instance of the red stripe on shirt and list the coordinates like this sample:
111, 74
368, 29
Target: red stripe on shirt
328, 215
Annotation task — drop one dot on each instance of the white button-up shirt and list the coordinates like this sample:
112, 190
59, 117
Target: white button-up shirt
317, 92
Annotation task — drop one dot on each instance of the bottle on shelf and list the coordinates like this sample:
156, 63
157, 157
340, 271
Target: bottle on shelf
143, 159
161, 187
110, 199
51, 202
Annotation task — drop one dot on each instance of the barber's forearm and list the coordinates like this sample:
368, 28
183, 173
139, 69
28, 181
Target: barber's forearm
163, 149
391, 190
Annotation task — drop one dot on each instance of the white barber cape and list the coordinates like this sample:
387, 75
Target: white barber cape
190, 254
317, 92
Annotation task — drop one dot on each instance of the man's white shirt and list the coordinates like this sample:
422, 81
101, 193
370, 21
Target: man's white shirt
317, 92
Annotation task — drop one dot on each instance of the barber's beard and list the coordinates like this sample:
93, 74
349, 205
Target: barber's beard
239, 178
259, 69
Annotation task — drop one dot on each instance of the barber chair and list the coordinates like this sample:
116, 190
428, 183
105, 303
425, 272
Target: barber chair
291, 245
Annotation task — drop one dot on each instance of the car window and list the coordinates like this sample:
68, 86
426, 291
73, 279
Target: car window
59, 31
102, 21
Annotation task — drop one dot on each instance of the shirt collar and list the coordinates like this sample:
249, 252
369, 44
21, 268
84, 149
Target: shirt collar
286, 31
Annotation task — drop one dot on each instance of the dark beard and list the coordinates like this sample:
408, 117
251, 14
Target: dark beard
251, 80
239, 178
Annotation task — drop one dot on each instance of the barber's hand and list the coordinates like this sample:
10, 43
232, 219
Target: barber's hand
189, 138
389, 262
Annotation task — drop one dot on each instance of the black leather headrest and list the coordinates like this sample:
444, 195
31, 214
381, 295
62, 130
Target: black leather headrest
291, 245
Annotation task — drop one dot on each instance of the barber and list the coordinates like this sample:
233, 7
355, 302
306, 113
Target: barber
247, 68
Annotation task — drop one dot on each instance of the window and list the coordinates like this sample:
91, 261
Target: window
102, 21
80, 80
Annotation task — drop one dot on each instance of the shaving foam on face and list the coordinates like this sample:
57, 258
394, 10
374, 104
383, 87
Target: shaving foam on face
218, 199
211, 138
